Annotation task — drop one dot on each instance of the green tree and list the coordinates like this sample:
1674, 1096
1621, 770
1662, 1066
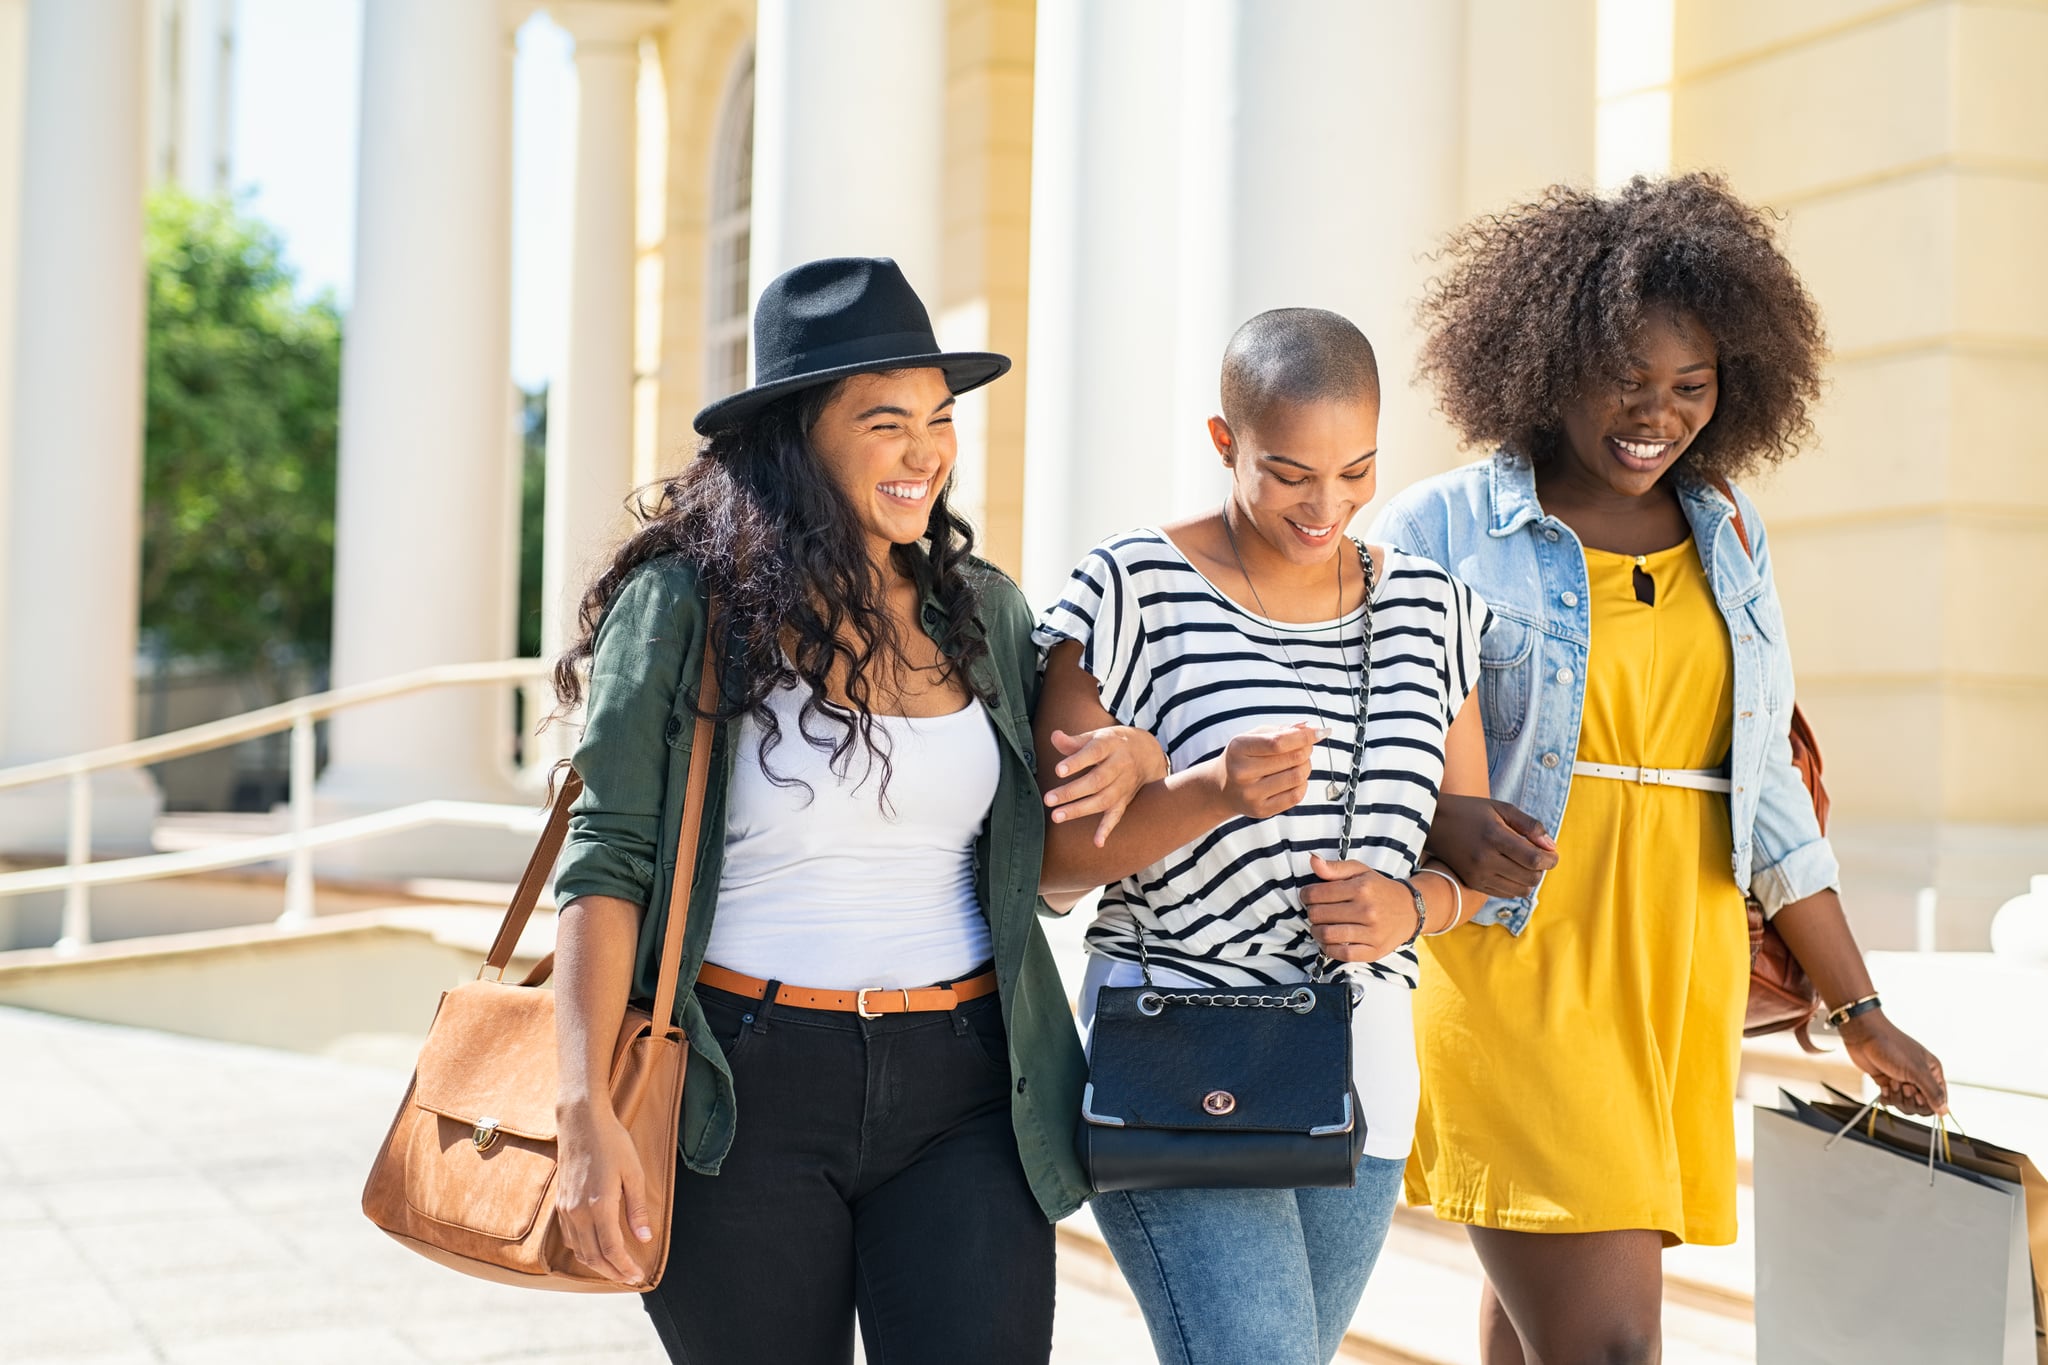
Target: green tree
244, 388
533, 483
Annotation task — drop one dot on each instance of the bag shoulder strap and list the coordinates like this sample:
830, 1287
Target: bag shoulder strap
1741, 531
685, 880
556, 832
542, 862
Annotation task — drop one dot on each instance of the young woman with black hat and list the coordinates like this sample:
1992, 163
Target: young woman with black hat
891, 1138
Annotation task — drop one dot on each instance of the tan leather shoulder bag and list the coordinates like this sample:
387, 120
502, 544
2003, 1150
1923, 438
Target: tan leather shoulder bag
467, 1174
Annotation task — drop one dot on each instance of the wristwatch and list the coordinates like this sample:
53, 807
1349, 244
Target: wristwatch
1421, 911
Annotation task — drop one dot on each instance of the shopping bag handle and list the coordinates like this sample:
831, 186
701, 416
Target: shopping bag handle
1937, 1136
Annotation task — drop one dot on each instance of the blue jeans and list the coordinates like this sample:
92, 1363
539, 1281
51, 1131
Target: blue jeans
1227, 1276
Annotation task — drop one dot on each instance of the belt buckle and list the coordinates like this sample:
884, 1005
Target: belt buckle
860, 1000
1649, 777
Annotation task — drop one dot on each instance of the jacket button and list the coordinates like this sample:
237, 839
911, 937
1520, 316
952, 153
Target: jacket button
1570, 599
675, 726
1550, 533
1550, 760
1564, 675
1020, 1085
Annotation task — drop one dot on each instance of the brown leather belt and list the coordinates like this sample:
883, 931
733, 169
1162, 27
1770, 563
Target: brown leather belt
870, 1002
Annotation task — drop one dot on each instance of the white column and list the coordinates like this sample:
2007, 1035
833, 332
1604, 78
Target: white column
421, 570
1340, 184
590, 410
13, 63
1099, 430
1195, 163
72, 536
849, 135
197, 72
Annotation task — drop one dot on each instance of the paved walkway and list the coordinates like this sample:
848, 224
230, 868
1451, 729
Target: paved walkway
168, 1199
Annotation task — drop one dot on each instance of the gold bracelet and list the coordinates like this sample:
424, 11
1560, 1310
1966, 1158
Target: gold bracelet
1457, 901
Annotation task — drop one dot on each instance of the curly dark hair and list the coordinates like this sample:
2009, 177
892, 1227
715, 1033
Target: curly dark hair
781, 552
1542, 300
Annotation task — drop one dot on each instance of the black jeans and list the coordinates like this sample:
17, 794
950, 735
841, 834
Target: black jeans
874, 1171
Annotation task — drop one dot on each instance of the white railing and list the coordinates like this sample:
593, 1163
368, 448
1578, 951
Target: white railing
79, 874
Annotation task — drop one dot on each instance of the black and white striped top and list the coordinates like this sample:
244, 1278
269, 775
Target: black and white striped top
1178, 658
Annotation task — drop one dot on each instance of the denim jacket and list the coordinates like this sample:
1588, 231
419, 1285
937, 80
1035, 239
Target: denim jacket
1484, 524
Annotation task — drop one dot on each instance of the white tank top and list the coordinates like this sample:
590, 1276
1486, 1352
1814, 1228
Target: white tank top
829, 888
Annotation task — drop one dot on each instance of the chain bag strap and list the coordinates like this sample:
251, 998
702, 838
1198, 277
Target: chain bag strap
1230, 1089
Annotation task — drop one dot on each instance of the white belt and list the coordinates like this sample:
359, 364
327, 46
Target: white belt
1696, 778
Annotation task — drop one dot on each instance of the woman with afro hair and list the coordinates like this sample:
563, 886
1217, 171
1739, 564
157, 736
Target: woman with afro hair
1624, 357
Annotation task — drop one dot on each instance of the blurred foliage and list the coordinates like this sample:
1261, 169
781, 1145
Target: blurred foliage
533, 482
244, 392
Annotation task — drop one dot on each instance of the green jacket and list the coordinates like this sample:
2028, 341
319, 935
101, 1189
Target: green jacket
634, 761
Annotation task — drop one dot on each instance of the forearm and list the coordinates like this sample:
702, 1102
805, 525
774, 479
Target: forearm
1165, 815
1450, 901
596, 938
1817, 932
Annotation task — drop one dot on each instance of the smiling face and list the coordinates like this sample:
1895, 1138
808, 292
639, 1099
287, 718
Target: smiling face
1302, 473
887, 441
1625, 436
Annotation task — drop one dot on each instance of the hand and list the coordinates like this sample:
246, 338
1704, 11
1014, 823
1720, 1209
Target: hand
1491, 846
1265, 770
1908, 1076
1356, 914
602, 1193
1113, 764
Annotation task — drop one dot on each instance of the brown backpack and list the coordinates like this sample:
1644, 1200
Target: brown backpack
1780, 995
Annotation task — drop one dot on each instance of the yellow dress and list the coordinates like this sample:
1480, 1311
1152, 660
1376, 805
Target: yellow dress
1581, 1077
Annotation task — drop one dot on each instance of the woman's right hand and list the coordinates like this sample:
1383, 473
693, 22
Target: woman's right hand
1265, 770
602, 1197
1493, 847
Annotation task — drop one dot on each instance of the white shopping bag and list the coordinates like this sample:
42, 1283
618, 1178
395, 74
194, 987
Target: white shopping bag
1869, 1255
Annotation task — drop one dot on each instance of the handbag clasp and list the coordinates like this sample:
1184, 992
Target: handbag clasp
485, 1134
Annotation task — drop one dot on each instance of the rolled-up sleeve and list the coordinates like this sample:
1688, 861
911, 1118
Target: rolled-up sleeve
1792, 858
615, 826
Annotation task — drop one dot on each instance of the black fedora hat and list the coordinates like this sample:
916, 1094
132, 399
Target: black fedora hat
825, 320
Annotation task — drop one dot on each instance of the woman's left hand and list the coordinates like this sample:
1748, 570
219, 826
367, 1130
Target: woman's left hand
1908, 1076
1357, 914
1101, 772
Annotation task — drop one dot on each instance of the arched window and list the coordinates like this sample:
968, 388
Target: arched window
730, 240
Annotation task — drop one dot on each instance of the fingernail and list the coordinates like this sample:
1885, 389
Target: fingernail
644, 1234
1061, 770
1058, 816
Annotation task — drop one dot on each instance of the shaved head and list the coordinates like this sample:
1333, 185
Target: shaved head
1296, 356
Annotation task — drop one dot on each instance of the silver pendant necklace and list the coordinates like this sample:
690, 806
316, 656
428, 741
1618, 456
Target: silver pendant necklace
1345, 788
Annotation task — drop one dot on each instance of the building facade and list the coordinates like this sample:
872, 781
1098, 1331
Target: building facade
1103, 189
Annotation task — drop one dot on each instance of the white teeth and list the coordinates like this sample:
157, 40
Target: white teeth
1312, 530
909, 492
1643, 450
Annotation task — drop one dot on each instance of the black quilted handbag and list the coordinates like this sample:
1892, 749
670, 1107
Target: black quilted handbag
1217, 1089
